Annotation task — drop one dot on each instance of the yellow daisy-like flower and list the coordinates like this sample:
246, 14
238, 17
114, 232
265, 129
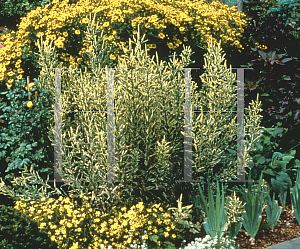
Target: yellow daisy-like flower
106, 24
8, 85
112, 56
30, 86
147, 25
85, 20
181, 29
170, 45
161, 35
77, 32
65, 34
20, 70
29, 104
19, 76
114, 32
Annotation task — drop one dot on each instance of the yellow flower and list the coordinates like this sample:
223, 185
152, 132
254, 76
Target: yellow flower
42, 225
65, 34
161, 35
10, 80
19, 76
30, 86
181, 29
106, 24
77, 32
147, 25
85, 20
20, 70
170, 45
112, 56
38, 35
29, 104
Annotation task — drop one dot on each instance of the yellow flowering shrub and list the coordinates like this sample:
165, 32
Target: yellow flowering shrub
166, 23
74, 225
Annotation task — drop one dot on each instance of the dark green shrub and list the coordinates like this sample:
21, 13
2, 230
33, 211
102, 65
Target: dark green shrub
276, 66
18, 231
11, 11
23, 140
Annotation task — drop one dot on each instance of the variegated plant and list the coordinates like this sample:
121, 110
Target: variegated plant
234, 214
149, 123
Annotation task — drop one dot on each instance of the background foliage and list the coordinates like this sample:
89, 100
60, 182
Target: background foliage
276, 67
17, 230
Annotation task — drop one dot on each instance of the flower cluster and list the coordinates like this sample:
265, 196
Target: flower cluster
60, 22
73, 225
212, 243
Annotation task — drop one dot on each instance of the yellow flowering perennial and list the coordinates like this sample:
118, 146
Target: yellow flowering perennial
67, 226
60, 22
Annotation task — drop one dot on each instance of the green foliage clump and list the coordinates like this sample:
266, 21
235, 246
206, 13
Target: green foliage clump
276, 65
23, 140
18, 231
